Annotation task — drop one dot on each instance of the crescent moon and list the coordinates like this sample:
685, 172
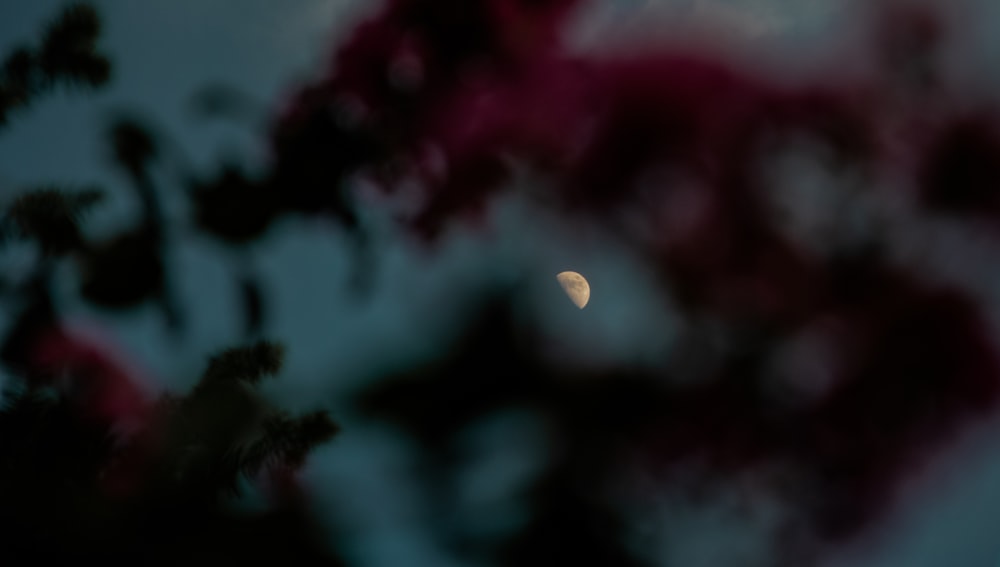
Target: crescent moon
576, 287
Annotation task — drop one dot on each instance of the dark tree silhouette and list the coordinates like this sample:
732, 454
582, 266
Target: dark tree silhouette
92, 466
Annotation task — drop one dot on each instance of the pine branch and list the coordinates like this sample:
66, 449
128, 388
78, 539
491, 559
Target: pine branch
67, 56
224, 431
50, 216
19, 80
243, 364
287, 441
68, 51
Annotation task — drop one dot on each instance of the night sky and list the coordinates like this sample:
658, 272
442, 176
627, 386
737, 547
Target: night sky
165, 51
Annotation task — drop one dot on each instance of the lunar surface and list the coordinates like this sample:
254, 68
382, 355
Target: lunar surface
576, 287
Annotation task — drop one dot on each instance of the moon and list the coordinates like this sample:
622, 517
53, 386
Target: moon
576, 287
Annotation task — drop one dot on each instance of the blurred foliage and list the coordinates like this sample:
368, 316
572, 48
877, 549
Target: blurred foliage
233, 207
51, 217
92, 467
76, 488
458, 98
67, 56
122, 271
